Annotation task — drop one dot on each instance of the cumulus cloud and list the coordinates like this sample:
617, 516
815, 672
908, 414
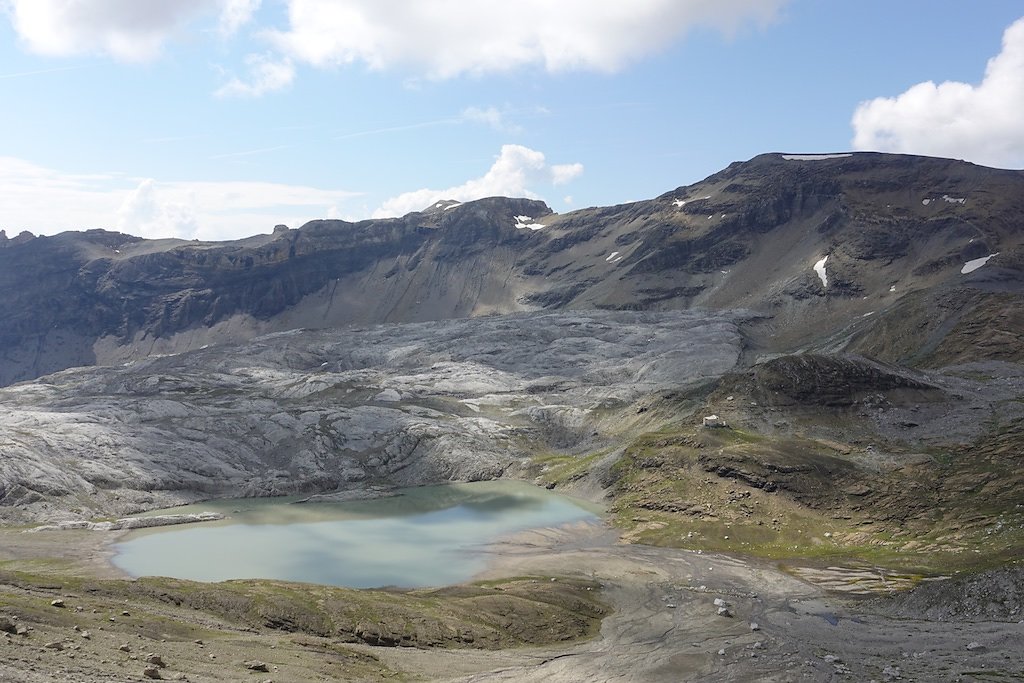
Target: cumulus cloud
516, 170
47, 201
444, 38
980, 123
129, 30
266, 74
143, 214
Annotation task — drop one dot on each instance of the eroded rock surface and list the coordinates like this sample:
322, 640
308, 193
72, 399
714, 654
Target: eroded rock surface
315, 411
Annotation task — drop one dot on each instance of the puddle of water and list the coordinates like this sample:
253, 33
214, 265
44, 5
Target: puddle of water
428, 536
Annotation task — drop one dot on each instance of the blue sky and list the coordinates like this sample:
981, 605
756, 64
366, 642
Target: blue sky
216, 119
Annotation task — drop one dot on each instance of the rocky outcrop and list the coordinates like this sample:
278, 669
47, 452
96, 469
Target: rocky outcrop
131, 522
831, 381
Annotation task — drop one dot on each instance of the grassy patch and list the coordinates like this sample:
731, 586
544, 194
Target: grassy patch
792, 498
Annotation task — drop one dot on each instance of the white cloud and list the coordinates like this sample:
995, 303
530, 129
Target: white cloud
491, 116
129, 30
235, 14
516, 170
266, 74
445, 38
980, 123
46, 201
143, 214
564, 173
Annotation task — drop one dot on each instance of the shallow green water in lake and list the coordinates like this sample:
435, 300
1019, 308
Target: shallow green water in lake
428, 536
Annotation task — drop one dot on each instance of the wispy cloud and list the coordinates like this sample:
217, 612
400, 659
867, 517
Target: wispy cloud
250, 152
174, 138
488, 116
38, 72
266, 74
397, 129
48, 201
491, 116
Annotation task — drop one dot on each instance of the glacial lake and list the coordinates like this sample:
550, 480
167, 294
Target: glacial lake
426, 536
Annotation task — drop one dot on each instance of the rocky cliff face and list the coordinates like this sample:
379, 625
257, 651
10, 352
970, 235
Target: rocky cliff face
897, 232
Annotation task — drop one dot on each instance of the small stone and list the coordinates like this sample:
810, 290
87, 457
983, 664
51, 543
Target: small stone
86, 635
975, 646
724, 612
156, 660
151, 672
719, 602
7, 625
57, 603
256, 665
125, 647
22, 630
125, 614
831, 659
722, 652
891, 672
754, 626
54, 645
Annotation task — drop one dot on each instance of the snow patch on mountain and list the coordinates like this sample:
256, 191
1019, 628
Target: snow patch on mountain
819, 268
814, 157
974, 264
527, 222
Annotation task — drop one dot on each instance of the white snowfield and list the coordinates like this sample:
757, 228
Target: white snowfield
527, 222
680, 203
946, 198
815, 157
612, 256
819, 268
974, 264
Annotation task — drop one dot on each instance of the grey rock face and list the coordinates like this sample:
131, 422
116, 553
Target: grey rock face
314, 411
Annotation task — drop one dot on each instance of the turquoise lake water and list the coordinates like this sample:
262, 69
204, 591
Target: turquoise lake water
427, 536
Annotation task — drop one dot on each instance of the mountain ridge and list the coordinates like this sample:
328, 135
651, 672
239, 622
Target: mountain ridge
891, 227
